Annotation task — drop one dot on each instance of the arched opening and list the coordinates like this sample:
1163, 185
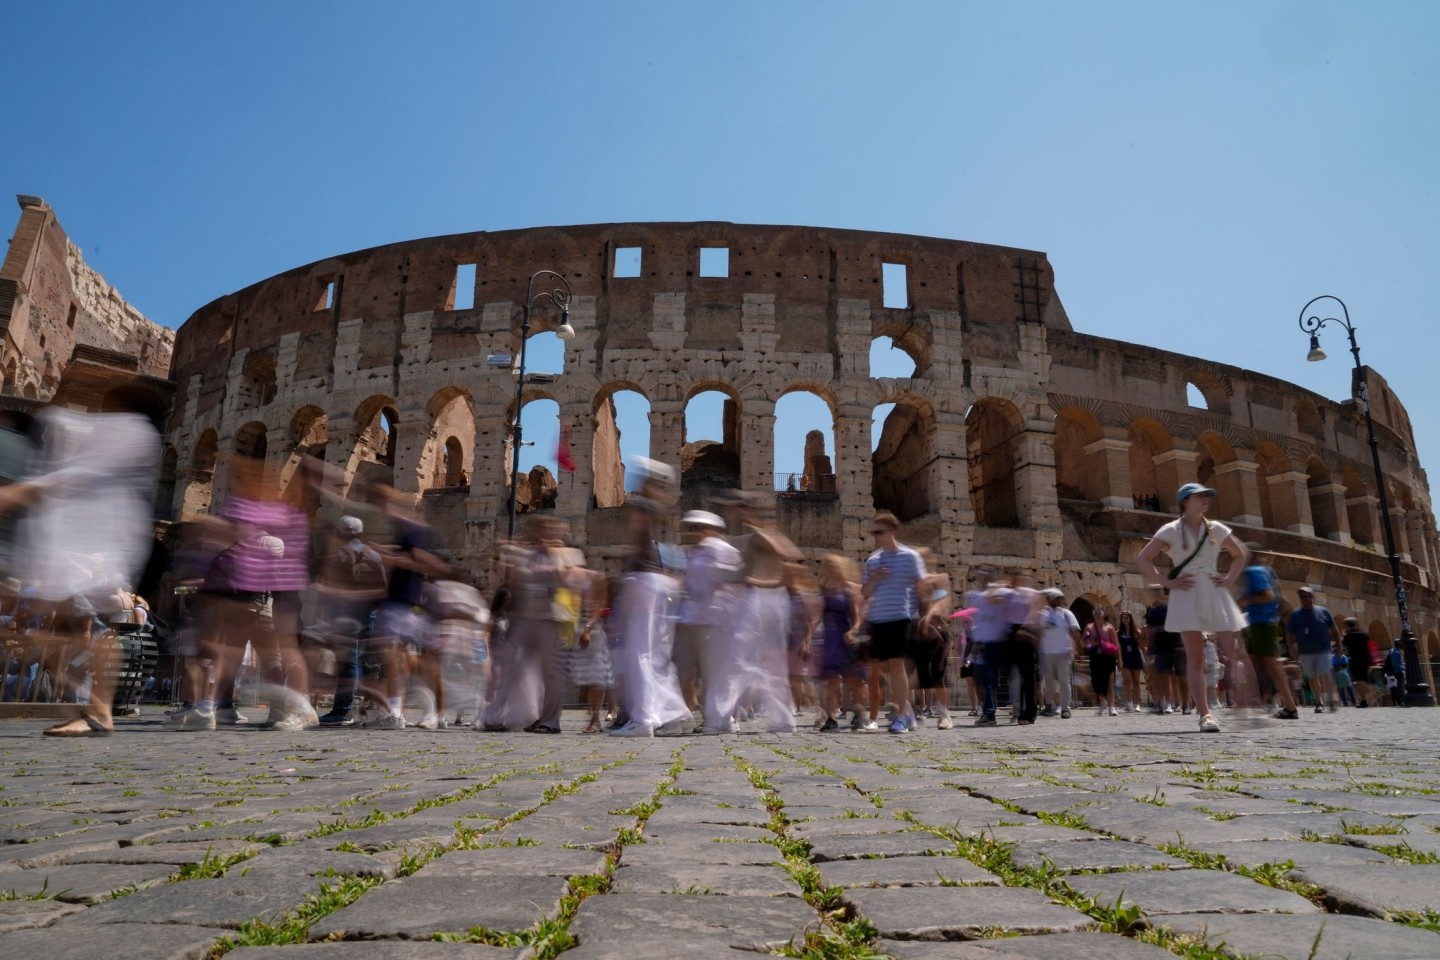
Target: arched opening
250, 440
1213, 469
1195, 397
992, 431
889, 359
198, 491
308, 432
1079, 475
1148, 439
622, 431
539, 485
1272, 464
257, 380
372, 460
446, 461
1323, 507
903, 457
710, 458
804, 444
1379, 639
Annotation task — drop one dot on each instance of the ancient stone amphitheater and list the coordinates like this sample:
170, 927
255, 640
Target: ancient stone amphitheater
1018, 441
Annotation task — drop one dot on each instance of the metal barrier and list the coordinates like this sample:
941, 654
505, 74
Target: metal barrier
54, 668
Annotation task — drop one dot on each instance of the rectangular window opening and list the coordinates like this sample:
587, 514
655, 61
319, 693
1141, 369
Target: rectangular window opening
627, 261
70, 320
714, 261
462, 295
894, 285
326, 300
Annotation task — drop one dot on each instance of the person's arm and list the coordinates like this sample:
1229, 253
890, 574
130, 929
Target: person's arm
1239, 559
1146, 562
1334, 630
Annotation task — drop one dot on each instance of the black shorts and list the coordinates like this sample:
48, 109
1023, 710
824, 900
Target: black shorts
889, 640
929, 657
1170, 662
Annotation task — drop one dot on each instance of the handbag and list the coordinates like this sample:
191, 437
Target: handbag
1179, 568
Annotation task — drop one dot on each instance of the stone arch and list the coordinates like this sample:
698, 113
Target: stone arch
1213, 469
1149, 439
903, 455
251, 440
257, 380
894, 360
1324, 513
804, 441
1081, 471
307, 437
1380, 636
372, 459
710, 463
616, 402
198, 490
447, 459
1276, 502
1213, 392
1084, 608
993, 427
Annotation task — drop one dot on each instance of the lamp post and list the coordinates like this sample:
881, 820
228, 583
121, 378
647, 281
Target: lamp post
560, 296
1417, 692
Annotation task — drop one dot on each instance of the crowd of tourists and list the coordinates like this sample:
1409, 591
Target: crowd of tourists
708, 620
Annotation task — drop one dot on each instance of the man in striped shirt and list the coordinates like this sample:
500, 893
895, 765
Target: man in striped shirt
894, 576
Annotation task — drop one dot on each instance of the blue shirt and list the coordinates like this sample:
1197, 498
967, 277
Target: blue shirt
893, 598
1258, 578
1312, 629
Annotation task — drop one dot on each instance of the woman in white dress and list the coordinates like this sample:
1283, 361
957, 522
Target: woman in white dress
1200, 600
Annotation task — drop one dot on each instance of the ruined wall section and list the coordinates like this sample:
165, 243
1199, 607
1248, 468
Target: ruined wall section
51, 300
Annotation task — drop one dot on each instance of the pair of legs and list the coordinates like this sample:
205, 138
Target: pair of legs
1132, 685
95, 716
1055, 673
1194, 642
1102, 680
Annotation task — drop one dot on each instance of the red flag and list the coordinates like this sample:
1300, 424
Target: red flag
563, 459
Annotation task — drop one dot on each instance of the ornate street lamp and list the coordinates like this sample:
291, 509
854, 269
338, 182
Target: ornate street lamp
1418, 692
560, 296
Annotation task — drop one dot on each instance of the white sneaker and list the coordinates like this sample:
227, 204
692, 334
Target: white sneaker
1113, 711
1208, 724
429, 722
1101, 711
944, 723
871, 725
633, 729
292, 723
192, 719
386, 721
1168, 709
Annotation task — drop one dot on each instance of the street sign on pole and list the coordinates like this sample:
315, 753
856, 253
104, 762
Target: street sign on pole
499, 360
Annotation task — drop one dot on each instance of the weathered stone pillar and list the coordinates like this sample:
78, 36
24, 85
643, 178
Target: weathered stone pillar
1173, 468
1364, 521
576, 488
1290, 502
412, 433
1402, 535
854, 474
950, 490
340, 439
667, 431
1239, 481
1327, 503
1110, 457
757, 446
489, 490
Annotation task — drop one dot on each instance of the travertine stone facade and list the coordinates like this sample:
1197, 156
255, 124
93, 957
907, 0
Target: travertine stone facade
52, 301
1017, 441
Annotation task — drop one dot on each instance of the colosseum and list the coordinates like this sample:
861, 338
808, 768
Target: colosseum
1017, 441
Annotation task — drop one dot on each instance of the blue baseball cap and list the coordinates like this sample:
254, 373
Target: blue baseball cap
1190, 489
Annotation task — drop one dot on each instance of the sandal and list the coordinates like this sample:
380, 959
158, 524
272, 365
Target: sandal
541, 728
591, 728
92, 728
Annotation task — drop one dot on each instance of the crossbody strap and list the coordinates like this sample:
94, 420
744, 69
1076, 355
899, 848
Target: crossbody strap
1180, 568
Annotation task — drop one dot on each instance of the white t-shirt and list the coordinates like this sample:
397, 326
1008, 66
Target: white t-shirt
711, 569
1056, 637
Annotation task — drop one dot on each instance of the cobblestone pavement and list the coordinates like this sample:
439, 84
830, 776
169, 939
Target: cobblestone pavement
1093, 837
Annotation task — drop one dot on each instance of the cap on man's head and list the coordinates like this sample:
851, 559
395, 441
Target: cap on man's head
1190, 489
703, 518
1305, 592
350, 526
1053, 593
654, 471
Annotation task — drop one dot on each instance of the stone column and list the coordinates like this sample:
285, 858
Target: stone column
667, 431
412, 433
576, 488
489, 489
340, 439
1173, 468
1240, 479
757, 447
1112, 456
854, 474
1331, 498
1402, 535
950, 489
1369, 532
1290, 501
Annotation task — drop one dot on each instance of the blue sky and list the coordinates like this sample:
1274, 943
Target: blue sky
1196, 173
